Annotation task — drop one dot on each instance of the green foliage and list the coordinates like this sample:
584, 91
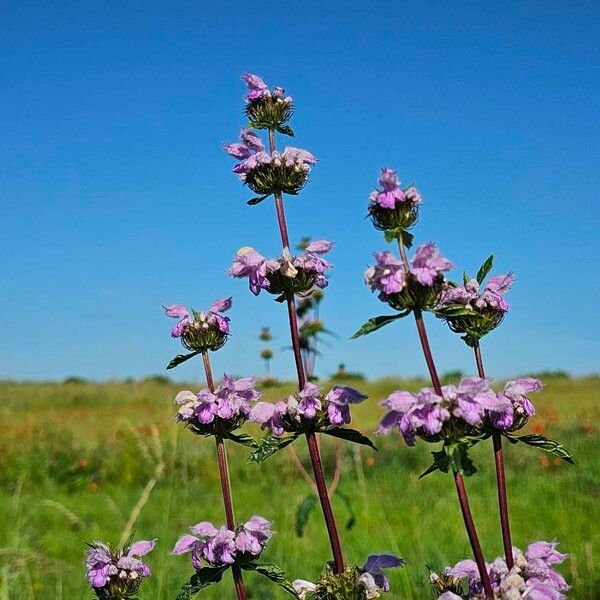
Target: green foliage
543, 443
180, 358
376, 323
269, 445
303, 512
85, 448
485, 268
350, 435
200, 580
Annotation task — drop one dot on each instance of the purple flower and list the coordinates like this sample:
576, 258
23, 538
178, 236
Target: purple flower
391, 194
428, 264
249, 263
469, 294
257, 88
387, 276
269, 416
251, 141
374, 565
310, 402
208, 319
254, 535
512, 401
425, 413
178, 311
102, 563
220, 549
338, 401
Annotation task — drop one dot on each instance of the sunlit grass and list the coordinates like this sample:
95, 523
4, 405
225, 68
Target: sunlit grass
76, 457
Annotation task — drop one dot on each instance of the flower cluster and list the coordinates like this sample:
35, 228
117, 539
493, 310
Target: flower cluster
208, 413
267, 173
511, 407
266, 109
117, 573
472, 311
392, 208
419, 288
433, 417
223, 547
460, 409
533, 576
201, 331
362, 583
310, 407
287, 275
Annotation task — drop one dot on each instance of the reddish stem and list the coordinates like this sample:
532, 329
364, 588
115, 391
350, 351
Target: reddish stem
225, 484
463, 499
311, 438
500, 476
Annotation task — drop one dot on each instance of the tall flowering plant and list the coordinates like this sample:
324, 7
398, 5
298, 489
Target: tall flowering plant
270, 172
474, 308
214, 411
462, 415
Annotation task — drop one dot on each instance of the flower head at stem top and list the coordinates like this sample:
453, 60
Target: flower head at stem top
116, 573
284, 276
222, 547
472, 308
420, 288
267, 173
266, 108
309, 409
391, 208
533, 576
218, 412
201, 331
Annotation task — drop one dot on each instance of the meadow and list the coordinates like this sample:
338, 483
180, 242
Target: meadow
84, 461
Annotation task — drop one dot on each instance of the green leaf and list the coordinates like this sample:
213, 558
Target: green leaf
256, 200
543, 443
286, 130
441, 462
485, 268
351, 521
241, 438
407, 238
303, 512
350, 435
181, 358
391, 235
268, 445
377, 323
454, 310
200, 580
466, 278
274, 573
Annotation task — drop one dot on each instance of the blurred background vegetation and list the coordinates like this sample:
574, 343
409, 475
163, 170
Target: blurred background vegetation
83, 461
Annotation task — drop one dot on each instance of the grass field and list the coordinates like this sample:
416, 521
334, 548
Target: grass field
77, 458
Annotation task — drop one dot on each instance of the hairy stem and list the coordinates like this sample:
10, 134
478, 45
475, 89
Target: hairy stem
461, 491
311, 437
225, 484
500, 476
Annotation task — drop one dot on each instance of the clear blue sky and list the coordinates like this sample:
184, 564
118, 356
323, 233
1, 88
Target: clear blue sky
116, 198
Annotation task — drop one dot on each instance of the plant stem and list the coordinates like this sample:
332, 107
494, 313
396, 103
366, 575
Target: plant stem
461, 491
500, 476
225, 484
311, 437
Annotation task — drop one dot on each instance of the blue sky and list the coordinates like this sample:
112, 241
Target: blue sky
115, 196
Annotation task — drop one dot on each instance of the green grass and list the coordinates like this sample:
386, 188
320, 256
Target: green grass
76, 457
